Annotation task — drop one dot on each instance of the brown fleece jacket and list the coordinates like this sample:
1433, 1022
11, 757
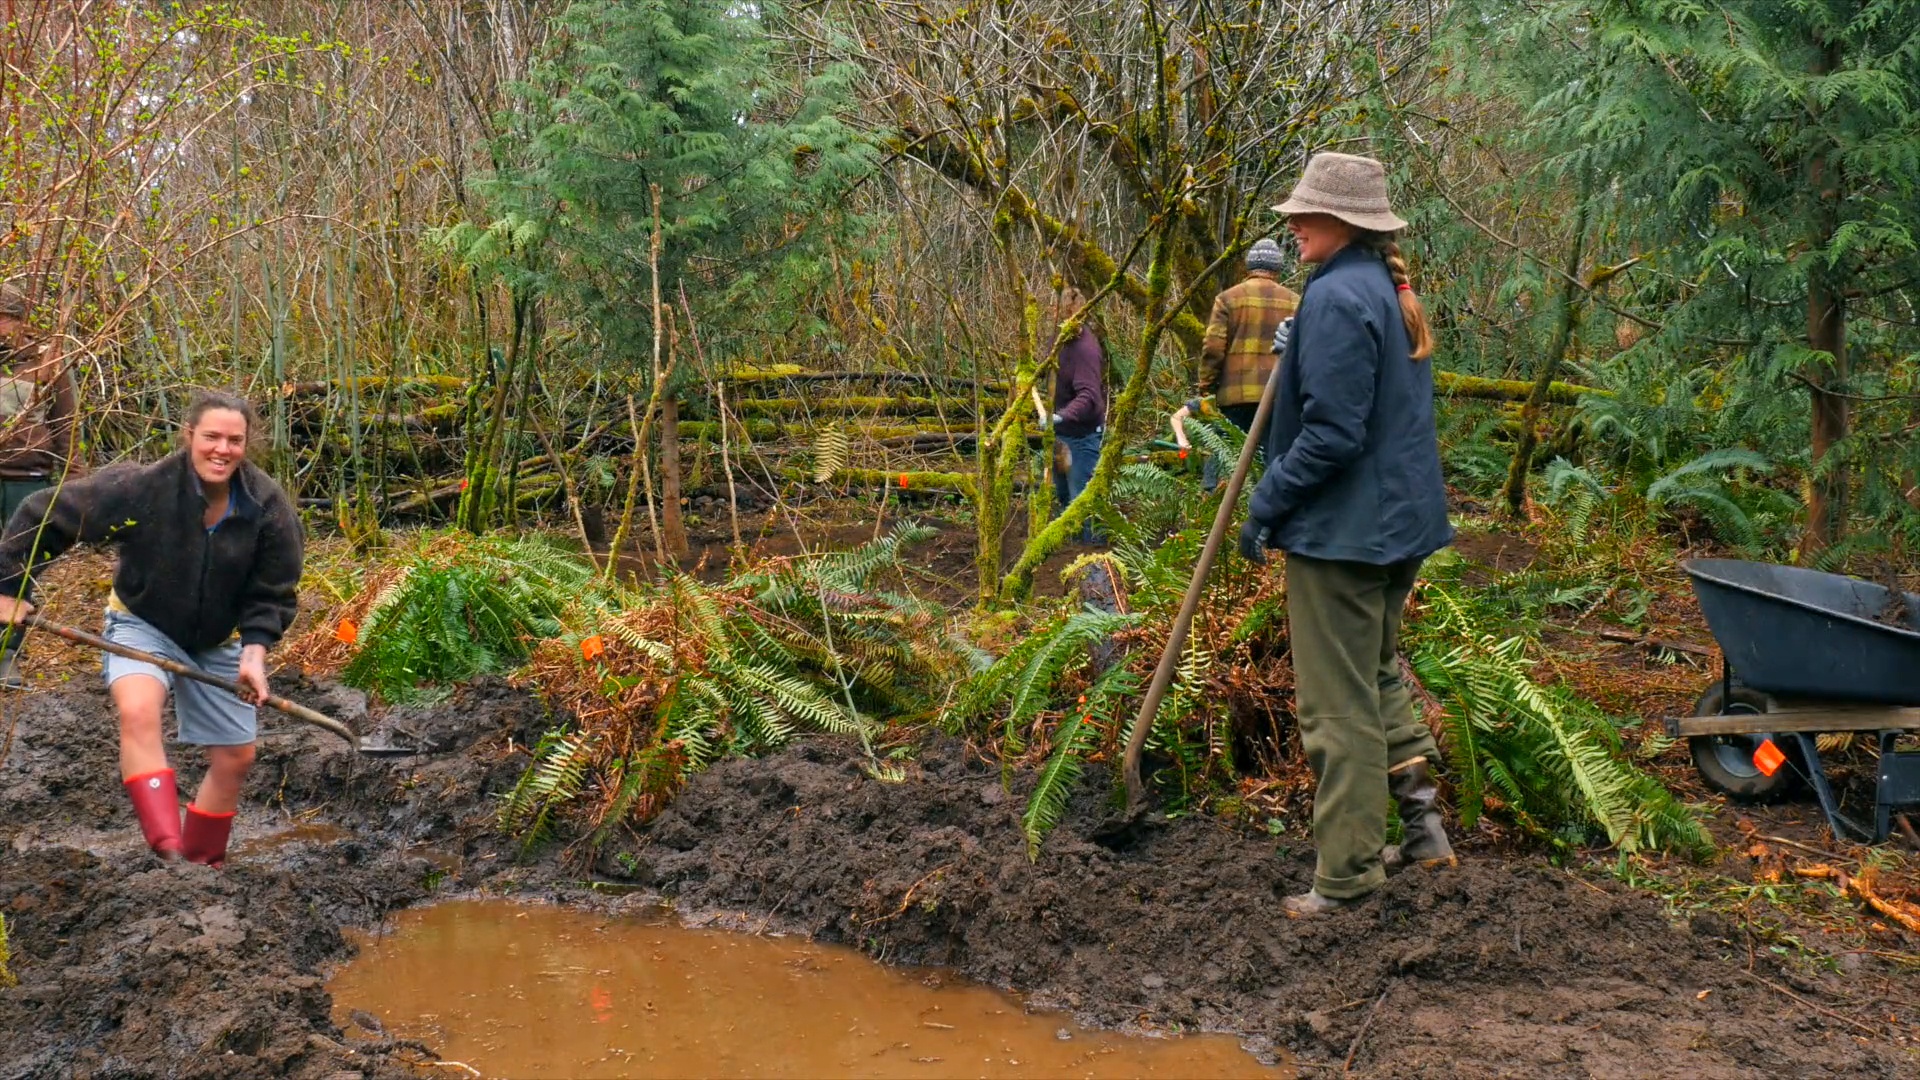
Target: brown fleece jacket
197, 585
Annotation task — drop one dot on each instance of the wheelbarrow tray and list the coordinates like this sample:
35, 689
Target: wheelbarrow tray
1798, 633
1829, 653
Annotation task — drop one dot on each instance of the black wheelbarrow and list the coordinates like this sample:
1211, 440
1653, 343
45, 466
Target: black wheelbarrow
1806, 654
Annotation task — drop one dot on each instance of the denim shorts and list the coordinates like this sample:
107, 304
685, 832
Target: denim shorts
208, 715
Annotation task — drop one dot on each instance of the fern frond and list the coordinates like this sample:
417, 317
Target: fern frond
1076, 737
831, 450
1551, 756
1032, 689
553, 781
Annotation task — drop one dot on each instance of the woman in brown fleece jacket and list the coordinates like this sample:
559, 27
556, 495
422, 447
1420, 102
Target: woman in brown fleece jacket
210, 553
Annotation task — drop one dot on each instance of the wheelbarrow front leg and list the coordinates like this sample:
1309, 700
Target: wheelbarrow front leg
1843, 827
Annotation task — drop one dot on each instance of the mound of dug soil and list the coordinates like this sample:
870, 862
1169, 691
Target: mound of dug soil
129, 967
1496, 968
1502, 967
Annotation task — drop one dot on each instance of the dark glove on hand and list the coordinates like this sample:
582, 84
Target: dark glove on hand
1253, 542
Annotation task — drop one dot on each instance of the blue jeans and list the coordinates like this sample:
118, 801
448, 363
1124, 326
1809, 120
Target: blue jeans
1240, 416
1083, 454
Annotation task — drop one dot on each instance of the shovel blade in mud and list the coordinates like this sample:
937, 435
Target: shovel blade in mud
389, 749
1122, 831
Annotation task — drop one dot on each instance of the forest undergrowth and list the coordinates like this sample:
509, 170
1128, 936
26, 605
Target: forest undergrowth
1542, 650
659, 679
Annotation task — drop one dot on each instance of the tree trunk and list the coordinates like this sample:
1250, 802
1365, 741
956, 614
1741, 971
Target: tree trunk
1017, 583
1827, 481
1515, 492
1827, 484
670, 521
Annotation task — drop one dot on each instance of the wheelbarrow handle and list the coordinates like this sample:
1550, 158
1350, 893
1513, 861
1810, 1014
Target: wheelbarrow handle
291, 708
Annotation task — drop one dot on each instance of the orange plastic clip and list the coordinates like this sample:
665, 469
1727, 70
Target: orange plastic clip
903, 481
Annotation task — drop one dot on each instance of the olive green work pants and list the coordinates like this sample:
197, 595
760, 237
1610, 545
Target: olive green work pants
1356, 716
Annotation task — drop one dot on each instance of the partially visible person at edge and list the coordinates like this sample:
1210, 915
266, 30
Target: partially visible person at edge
1237, 356
38, 405
1079, 404
1355, 499
210, 552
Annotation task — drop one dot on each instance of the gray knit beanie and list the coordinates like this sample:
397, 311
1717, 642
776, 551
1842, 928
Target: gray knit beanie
1264, 255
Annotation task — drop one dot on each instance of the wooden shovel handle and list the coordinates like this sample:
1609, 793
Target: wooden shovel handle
1177, 636
293, 709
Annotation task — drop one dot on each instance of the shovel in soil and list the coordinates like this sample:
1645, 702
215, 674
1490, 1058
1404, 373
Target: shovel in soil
293, 709
1119, 831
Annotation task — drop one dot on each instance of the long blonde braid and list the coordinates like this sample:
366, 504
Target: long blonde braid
1412, 311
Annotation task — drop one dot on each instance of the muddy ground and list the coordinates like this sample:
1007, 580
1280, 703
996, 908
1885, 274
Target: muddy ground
1506, 966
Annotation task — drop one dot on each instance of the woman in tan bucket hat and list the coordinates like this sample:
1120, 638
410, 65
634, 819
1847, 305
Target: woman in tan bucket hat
1354, 496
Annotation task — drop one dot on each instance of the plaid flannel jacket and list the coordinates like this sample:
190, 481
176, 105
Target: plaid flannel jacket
1238, 355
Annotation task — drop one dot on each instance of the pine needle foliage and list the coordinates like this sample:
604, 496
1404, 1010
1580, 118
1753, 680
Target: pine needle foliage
1757, 201
1542, 756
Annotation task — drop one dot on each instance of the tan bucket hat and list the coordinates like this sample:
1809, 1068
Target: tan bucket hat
1347, 186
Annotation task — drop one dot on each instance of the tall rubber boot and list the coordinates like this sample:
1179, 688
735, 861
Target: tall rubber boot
1423, 834
205, 839
156, 801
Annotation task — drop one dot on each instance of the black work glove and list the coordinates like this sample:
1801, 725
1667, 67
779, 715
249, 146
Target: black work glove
1253, 542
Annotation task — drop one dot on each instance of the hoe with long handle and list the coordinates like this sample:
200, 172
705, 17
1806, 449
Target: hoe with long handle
294, 709
1177, 638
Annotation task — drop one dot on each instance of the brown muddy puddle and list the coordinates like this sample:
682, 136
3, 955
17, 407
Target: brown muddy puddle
556, 992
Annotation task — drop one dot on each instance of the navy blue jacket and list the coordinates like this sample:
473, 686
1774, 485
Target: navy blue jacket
1353, 467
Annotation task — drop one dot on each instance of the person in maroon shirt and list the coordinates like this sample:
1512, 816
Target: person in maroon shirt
1079, 405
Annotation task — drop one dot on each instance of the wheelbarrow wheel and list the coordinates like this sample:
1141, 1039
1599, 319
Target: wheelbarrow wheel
1725, 762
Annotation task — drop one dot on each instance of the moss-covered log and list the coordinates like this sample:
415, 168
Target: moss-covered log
1473, 386
758, 428
695, 430
377, 384
957, 483
835, 407
783, 373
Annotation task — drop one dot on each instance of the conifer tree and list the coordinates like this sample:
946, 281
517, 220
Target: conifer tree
680, 95
1761, 158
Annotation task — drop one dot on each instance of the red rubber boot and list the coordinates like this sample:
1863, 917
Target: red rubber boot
205, 839
156, 801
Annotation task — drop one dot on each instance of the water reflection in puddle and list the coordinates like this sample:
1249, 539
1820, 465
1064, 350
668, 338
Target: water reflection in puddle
552, 992
306, 832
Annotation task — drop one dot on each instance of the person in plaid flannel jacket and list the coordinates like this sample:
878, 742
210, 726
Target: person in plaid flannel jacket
1238, 354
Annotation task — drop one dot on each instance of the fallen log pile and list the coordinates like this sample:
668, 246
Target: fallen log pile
893, 425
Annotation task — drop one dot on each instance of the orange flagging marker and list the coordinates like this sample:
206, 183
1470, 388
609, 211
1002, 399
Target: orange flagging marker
346, 633
1768, 758
903, 481
591, 648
